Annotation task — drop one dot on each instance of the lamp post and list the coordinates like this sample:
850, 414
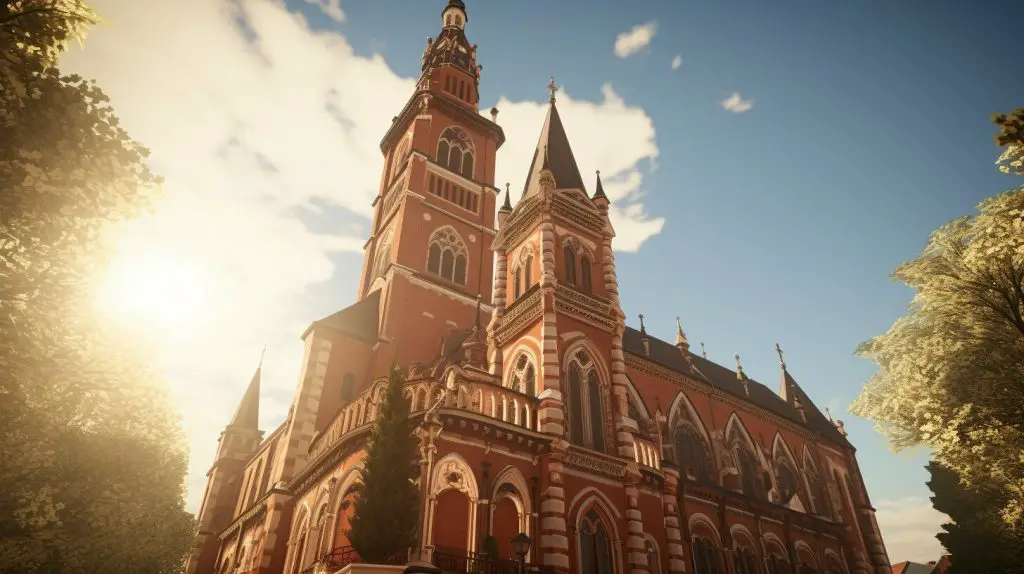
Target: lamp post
521, 545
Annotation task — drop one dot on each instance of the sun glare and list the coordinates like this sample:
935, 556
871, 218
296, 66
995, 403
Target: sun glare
155, 290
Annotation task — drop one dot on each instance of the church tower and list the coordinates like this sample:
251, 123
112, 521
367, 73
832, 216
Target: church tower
557, 307
429, 253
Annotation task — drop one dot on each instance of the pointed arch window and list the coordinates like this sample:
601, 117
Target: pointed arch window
456, 152
595, 546
745, 561
524, 376
748, 472
692, 454
787, 481
569, 254
585, 278
401, 157
705, 556
382, 256
518, 287
447, 255
816, 489
586, 413
523, 274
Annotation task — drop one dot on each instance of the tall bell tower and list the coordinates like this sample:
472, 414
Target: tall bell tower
429, 253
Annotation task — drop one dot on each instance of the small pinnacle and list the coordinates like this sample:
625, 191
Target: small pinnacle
739, 367
643, 329
703, 353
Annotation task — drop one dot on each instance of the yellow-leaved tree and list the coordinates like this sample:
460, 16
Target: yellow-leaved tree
951, 371
92, 462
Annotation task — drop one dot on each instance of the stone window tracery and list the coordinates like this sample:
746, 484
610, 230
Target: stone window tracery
787, 481
586, 415
815, 488
382, 256
401, 157
447, 255
692, 453
742, 448
456, 152
524, 376
585, 278
569, 254
745, 560
523, 274
705, 556
595, 546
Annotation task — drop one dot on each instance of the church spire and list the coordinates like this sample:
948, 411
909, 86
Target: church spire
681, 341
248, 414
553, 152
599, 191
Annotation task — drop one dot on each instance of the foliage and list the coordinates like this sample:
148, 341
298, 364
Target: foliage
385, 520
976, 538
91, 477
950, 371
1011, 137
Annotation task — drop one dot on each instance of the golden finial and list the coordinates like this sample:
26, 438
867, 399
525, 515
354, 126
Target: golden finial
552, 89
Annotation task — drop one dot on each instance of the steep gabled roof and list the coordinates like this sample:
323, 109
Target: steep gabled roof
669, 356
553, 148
359, 320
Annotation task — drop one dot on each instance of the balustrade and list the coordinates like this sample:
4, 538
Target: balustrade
646, 453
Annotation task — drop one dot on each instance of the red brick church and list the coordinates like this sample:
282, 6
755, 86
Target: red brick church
540, 412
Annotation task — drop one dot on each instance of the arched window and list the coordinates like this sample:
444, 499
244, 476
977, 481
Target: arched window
524, 376
748, 472
447, 255
569, 254
401, 157
348, 388
705, 556
692, 454
528, 273
815, 488
595, 546
805, 562
745, 561
833, 565
787, 481
382, 256
518, 287
455, 151
585, 279
653, 560
777, 564
586, 415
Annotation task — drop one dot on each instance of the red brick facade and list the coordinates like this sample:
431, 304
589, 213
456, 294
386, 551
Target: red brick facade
614, 451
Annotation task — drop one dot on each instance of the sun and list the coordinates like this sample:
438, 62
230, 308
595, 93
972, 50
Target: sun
154, 290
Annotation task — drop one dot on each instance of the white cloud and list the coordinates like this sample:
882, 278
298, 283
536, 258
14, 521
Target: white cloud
608, 135
909, 526
330, 7
629, 43
677, 61
736, 104
253, 118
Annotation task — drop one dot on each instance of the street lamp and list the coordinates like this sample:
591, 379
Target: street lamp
521, 545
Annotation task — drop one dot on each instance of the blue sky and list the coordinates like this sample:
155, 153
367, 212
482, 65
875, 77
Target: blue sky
868, 128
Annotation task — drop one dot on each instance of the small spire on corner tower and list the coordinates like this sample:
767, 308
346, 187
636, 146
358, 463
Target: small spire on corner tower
552, 89
599, 192
681, 341
507, 206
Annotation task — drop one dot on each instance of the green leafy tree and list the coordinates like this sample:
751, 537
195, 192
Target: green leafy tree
950, 371
91, 459
977, 539
387, 508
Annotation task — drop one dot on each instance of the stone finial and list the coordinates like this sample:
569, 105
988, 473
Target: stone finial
643, 329
742, 376
552, 89
703, 352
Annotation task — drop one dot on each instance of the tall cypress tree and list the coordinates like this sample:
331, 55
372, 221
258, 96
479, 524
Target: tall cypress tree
387, 509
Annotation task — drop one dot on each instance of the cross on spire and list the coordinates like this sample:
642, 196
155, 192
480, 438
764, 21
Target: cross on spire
552, 89
782, 361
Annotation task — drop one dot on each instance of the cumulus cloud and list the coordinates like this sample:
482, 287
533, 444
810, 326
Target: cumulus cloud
629, 43
330, 7
909, 526
259, 124
609, 135
677, 61
736, 104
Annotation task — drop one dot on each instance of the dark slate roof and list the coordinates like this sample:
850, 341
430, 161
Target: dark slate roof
553, 148
358, 320
248, 414
669, 356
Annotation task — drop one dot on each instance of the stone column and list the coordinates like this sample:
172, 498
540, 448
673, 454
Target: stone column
636, 553
552, 540
673, 535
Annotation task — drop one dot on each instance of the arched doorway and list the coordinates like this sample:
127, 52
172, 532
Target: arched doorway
451, 527
505, 525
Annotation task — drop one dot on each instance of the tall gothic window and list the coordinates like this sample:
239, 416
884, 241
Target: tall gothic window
705, 556
523, 275
585, 279
748, 472
816, 488
455, 151
745, 561
787, 481
401, 157
586, 416
518, 287
570, 264
382, 256
595, 546
447, 255
692, 453
348, 388
524, 376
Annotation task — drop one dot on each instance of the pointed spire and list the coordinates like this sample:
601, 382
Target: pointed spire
787, 386
599, 192
681, 341
553, 153
507, 206
247, 416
